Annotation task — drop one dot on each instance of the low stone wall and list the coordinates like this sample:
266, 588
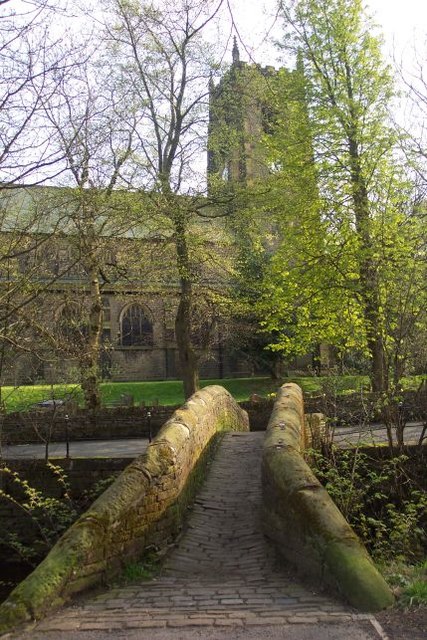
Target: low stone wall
133, 422
354, 408
145, 506
118, 422
301, 518
108, 423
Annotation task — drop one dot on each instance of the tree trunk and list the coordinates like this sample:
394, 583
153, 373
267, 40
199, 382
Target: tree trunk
188, 359
276, 370
89, 362
369, 289
379, 378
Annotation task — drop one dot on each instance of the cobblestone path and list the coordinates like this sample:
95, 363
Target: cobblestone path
221, 572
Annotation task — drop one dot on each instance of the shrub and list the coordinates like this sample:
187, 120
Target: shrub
48, 517
381, 499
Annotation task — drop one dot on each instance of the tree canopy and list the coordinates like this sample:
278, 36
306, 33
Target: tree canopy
345, 253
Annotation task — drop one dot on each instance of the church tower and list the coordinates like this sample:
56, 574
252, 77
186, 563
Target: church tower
238, 118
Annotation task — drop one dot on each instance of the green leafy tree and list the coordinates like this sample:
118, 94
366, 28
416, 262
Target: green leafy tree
344, 246
255, 110
289, 298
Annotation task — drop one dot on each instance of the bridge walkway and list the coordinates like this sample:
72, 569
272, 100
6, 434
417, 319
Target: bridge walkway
220, 573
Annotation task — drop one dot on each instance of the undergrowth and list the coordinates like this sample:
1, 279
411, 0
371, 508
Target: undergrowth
46, 517
408, 581
145, 568
385, 501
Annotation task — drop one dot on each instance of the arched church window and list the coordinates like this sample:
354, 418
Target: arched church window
136, 328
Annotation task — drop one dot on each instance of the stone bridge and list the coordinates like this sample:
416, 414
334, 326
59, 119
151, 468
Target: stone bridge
221, 574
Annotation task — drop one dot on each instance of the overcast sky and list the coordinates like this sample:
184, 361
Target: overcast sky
402, 22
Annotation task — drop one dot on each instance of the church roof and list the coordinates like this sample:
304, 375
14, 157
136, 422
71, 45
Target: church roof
62, 210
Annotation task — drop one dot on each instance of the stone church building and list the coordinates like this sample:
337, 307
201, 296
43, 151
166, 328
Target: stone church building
139, 290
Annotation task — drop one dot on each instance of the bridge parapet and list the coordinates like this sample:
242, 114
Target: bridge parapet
299, 515
143, 507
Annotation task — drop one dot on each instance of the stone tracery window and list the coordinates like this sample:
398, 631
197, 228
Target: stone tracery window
136, 328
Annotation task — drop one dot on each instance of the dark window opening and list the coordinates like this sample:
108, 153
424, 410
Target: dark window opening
136, 328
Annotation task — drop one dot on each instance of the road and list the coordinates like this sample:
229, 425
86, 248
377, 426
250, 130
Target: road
130, 448
374, 434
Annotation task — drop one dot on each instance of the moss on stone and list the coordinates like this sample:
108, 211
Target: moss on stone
145, 505
12, 613
43, 588
303, 519
178, 510
288, 470
357, 578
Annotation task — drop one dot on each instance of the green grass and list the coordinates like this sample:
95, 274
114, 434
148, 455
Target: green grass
171, 392
408, 581
20, 398
415, 594
146, 568
166, 393
133, 572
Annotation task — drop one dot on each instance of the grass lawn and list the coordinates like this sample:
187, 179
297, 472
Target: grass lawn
170, 392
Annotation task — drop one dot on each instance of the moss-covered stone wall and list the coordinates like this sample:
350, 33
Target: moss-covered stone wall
299, 515
143, 507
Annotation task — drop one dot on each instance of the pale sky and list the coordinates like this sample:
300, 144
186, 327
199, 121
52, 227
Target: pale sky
402, 22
